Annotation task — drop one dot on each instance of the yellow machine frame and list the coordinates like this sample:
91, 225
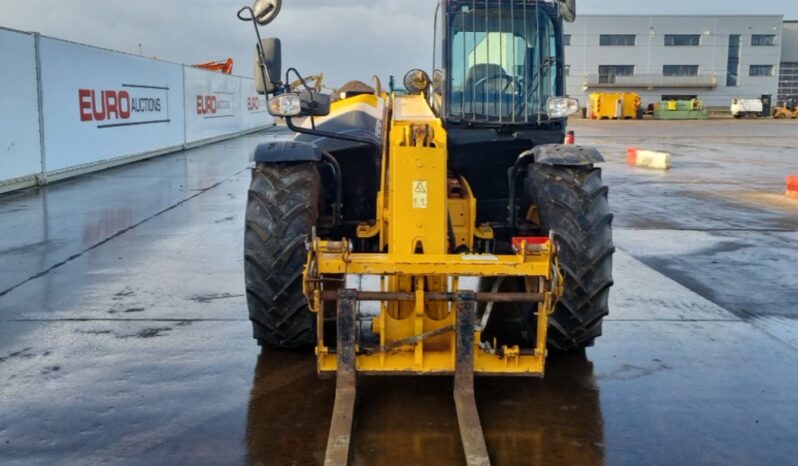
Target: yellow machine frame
419, 278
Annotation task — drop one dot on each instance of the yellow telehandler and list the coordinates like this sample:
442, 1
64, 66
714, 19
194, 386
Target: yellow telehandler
787, 109
451, 206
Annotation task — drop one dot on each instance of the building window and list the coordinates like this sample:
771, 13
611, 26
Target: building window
788, 82
618, 39
733, 66
566, 39
680, 70
680, 40
761, 70
608, 73
758, 40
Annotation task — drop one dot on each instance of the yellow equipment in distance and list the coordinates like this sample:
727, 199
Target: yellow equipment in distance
614, 106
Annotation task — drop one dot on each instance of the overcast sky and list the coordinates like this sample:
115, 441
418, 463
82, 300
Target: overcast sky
346, 39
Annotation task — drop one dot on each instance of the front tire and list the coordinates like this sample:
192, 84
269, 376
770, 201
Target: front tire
282, 208
573, 204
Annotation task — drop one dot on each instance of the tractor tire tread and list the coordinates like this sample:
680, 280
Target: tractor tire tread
573, 204
282, 208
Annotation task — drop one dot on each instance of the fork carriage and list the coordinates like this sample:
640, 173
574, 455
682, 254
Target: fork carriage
417, 328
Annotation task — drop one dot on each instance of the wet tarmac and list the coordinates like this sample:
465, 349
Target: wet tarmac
124, 336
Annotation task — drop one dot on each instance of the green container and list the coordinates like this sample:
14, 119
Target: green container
681, 110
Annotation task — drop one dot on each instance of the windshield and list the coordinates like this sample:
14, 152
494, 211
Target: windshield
503, 62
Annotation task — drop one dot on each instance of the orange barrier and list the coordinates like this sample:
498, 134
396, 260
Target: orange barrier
792, 187
648, 159
631, 156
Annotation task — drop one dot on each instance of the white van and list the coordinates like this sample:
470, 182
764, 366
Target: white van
742, 108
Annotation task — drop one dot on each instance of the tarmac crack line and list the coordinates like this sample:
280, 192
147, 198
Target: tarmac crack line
120, 233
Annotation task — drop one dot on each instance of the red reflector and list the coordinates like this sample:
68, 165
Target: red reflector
570, 138
529, 240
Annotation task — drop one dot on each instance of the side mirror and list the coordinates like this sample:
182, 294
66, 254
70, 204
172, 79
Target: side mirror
272, 52
265, 11
568, 10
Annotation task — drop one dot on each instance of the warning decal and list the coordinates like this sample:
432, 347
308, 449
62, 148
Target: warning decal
420, 194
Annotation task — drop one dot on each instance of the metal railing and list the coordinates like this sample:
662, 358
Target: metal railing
650, 81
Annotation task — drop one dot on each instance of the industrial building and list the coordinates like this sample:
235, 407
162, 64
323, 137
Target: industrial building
710, 58
788, 76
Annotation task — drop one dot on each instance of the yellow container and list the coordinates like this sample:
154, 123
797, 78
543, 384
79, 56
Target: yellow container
673, 105
614, 106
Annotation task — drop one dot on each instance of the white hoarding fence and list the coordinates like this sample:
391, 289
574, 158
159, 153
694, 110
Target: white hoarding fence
213, 104
100, 105
20, 145
256, 114
78, 108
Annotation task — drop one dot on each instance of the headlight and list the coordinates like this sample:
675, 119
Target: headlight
561, 107
285, 105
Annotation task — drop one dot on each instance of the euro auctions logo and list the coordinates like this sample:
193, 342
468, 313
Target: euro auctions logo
217, 105
131, 105
207, 105
111, 105
256, 104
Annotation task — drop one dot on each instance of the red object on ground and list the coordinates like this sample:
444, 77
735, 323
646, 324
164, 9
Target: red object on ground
570, 138
631, 156
792, 186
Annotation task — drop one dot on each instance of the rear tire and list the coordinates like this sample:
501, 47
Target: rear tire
282, 208
572, 204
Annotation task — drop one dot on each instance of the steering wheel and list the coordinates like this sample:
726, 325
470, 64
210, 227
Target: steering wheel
509, 81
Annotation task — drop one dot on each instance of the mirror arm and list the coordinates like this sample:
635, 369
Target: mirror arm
263, 68
307, 88
299, 76
261, 53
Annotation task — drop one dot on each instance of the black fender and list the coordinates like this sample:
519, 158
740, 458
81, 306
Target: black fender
287, 151
566, 155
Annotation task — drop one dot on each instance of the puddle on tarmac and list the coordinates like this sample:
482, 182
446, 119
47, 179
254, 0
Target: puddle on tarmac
411, 420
